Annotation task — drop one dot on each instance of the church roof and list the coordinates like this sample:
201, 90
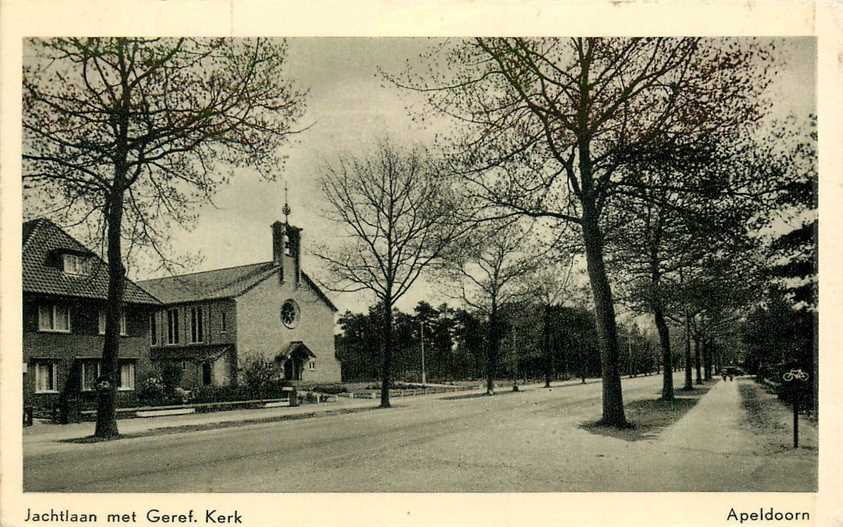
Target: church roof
43, 242
229, 282
207, 285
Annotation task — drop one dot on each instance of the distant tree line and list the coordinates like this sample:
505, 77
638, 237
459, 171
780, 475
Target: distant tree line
455, 344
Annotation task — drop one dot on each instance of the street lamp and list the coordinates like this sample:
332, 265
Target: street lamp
424, 374
514, 362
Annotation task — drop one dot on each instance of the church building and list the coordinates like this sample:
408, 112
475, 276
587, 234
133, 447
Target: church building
212, 322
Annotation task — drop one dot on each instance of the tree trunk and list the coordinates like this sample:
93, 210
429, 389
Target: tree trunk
607, 331
689, 379
492, 349
706, 357
697, 361
386, 371
667, 356
106, 426
816, 366
719, 361
548, 357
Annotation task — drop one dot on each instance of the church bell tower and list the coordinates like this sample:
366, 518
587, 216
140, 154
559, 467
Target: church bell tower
286, 246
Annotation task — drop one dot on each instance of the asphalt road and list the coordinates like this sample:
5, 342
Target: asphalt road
526, 441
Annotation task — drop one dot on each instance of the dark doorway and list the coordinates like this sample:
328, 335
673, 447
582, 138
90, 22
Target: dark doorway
206, 374
292, 369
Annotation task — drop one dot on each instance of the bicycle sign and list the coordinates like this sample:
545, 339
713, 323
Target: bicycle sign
795, 379
795, 374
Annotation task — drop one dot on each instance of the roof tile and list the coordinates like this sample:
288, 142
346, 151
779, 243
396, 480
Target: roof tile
43, 238
219, 283
206, 285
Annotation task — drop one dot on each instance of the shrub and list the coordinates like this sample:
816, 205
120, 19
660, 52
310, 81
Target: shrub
395, 386
221, 394
331, 389
152, 388
258, 374
310, 397
171, 376
181, 395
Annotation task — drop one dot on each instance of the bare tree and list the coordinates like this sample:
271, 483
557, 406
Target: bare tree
551, 285
397, 214
492, 272
129, 133
547, 124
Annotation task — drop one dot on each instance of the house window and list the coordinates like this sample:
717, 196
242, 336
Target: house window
122, 322
45, 377
290, 314
73, 264
126, 381
153, 329
54, 318
90, 374
222, 322
92, 370
197, 331
311, 365
172, 326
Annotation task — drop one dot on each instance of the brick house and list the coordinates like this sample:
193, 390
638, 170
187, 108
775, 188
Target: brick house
213, 321
65, 287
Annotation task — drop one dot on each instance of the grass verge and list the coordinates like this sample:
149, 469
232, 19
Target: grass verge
648, 417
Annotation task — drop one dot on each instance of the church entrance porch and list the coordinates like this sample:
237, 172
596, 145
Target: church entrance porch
294, 359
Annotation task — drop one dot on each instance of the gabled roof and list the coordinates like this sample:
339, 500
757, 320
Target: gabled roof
318, 291
208, 285
296, 347
229, 282
43, 240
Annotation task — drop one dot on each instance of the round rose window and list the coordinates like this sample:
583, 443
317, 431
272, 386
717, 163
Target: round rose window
290, 314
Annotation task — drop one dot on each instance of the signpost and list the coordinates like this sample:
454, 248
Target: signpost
795, 379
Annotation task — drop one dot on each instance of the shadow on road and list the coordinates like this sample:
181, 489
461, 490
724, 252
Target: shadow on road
478, 395
649, 417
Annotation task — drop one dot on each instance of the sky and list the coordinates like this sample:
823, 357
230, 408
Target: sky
349, 108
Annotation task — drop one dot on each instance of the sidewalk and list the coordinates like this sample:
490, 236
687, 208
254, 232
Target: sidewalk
714, 425
718, 447
49, 432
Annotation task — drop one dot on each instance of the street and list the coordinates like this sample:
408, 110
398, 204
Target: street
533, 440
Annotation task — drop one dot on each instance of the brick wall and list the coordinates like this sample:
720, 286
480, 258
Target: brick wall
219, 323
218, 318
83, 341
